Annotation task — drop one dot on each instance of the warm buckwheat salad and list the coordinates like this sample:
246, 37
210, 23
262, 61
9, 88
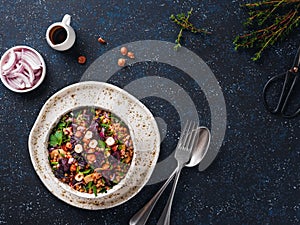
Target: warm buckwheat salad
90, 149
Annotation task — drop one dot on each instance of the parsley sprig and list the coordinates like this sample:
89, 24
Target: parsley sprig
56, 138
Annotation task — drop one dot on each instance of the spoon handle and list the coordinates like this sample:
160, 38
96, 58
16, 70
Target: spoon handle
141, 217
165, 216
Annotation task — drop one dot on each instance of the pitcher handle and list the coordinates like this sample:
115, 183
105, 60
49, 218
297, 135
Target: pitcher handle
66, 20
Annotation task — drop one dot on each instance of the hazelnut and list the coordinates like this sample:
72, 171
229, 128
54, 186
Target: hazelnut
91, 157
78, 134
88, 134
110, 141
78, 148
68, 131
81, 59
73, 168
97, 176
123, 51
79, 177
121, 62
127, 160
93, 143
69, 145
86, 141
105, 166
57, 153
105, 120
101, 40
131, 55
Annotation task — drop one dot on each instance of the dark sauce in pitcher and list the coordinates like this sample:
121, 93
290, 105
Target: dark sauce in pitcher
58, 35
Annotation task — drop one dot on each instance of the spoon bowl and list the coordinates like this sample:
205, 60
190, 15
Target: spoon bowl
200, 148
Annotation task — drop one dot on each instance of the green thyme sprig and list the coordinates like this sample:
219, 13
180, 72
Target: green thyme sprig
183, 21
269, 21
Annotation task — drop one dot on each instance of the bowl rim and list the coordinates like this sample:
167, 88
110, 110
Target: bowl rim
43, 69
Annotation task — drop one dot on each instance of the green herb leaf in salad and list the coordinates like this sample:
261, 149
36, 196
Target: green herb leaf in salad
89, 185
101, 144
93, 111
62, 125
56, 138
87, 171
95, 190
104, 125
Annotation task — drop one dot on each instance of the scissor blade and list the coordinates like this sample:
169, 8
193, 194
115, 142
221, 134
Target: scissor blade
297, 59
288, 86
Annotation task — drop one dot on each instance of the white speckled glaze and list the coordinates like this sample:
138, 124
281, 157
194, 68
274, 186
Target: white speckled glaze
143, 130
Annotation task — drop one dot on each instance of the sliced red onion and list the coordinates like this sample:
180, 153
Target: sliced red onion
28, 71
18, 68
22, 68
12, 84
24, 79
71, 160
19, 55
115, 136
38, 74
12, 75
102, 132
11, 59
127, 143
32, 60
15, 83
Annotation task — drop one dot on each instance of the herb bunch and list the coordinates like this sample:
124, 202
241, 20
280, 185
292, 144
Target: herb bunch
269, 21
183, 21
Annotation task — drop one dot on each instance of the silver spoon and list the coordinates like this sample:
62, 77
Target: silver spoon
198, 153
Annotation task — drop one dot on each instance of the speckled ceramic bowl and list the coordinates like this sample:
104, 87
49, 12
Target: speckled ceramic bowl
143, 130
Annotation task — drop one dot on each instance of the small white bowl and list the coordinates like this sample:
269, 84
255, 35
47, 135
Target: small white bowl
42, 76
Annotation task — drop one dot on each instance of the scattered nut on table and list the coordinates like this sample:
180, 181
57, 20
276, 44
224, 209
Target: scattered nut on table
123, 51
131, 55
121, 62
101, 40
81, 59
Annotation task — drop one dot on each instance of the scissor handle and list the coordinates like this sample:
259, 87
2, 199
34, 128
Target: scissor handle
290, 79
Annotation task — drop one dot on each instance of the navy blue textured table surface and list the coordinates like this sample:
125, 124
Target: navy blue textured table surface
255, 178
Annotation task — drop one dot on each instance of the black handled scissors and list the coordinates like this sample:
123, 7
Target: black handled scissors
288, 89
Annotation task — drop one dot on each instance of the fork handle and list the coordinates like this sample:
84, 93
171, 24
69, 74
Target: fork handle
165, 216
141, 217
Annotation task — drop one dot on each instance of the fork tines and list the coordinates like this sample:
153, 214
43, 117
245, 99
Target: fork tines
188, 136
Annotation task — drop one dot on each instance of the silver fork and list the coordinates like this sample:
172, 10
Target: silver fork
182, 155
141, 217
